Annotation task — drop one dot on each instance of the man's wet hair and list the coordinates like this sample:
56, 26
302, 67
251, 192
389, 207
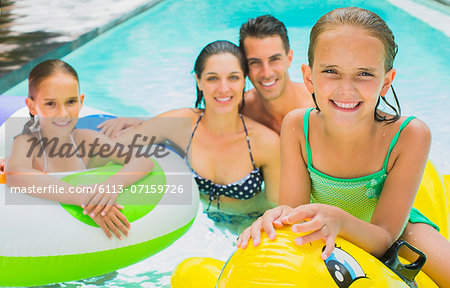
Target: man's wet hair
262, 27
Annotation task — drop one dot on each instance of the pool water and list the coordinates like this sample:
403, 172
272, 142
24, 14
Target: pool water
144, 66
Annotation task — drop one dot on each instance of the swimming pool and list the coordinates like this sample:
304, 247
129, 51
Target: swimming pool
143, 67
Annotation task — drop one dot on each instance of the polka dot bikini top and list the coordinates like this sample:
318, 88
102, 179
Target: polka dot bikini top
244, 188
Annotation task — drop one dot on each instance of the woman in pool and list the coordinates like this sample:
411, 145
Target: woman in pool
230, 155
54, 103
360, 167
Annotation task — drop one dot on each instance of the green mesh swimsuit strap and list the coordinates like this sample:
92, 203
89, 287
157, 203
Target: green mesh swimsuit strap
391, 146
395, 139
305, 131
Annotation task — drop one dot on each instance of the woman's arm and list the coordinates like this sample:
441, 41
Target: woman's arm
267, 143
175, 125
114, 127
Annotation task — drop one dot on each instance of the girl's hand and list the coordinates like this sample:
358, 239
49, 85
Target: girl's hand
266, 222
320, 221
113, 223
114, 127
100, 202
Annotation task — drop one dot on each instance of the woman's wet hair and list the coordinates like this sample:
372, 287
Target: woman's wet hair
216, 48
41, 72
262, 27
374, 26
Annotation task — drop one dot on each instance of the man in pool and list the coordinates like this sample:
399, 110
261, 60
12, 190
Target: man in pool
265, 43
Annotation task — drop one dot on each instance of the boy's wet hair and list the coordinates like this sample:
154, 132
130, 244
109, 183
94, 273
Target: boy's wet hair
376, 27
262, 27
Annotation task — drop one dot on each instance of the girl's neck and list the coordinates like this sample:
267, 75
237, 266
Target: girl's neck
222, 123
61, 140
354, 136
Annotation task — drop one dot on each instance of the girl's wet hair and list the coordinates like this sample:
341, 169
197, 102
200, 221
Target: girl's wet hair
376, 27
216, 48
41, 72
46, 69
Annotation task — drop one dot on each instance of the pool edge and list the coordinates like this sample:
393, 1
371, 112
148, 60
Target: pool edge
12, 78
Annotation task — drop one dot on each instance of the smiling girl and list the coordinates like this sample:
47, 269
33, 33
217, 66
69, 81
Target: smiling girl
359, 167
54, 103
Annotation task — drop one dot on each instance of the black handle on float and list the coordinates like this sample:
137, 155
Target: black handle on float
406, 272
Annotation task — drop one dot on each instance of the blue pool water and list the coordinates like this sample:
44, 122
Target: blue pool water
144, 66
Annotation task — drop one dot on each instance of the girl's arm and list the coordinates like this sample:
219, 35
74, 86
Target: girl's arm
134, 168
326, 222
175, 125
402, 182
294, 181
20, 173
295, 184
113, 223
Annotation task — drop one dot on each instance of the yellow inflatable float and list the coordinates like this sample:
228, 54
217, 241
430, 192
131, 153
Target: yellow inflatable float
447, 189
282, 263
432, 199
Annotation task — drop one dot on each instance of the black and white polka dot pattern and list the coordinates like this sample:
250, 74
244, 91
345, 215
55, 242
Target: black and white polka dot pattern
245, 188
242, 189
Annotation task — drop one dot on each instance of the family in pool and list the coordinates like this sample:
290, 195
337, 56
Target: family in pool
346, 168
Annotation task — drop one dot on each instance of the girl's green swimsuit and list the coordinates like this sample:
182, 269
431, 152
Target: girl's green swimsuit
357, 196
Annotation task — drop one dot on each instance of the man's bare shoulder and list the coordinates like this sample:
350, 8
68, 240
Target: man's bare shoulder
251, 97
304, 95
252, 103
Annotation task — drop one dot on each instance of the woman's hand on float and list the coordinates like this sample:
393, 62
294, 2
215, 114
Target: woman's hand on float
319, 220
114, 127
101, 202
2, 165
266, 222
113, 223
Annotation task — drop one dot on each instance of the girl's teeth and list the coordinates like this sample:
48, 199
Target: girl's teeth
346, 105
62, 124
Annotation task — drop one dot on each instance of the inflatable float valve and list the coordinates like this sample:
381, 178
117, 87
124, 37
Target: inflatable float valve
406, 272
